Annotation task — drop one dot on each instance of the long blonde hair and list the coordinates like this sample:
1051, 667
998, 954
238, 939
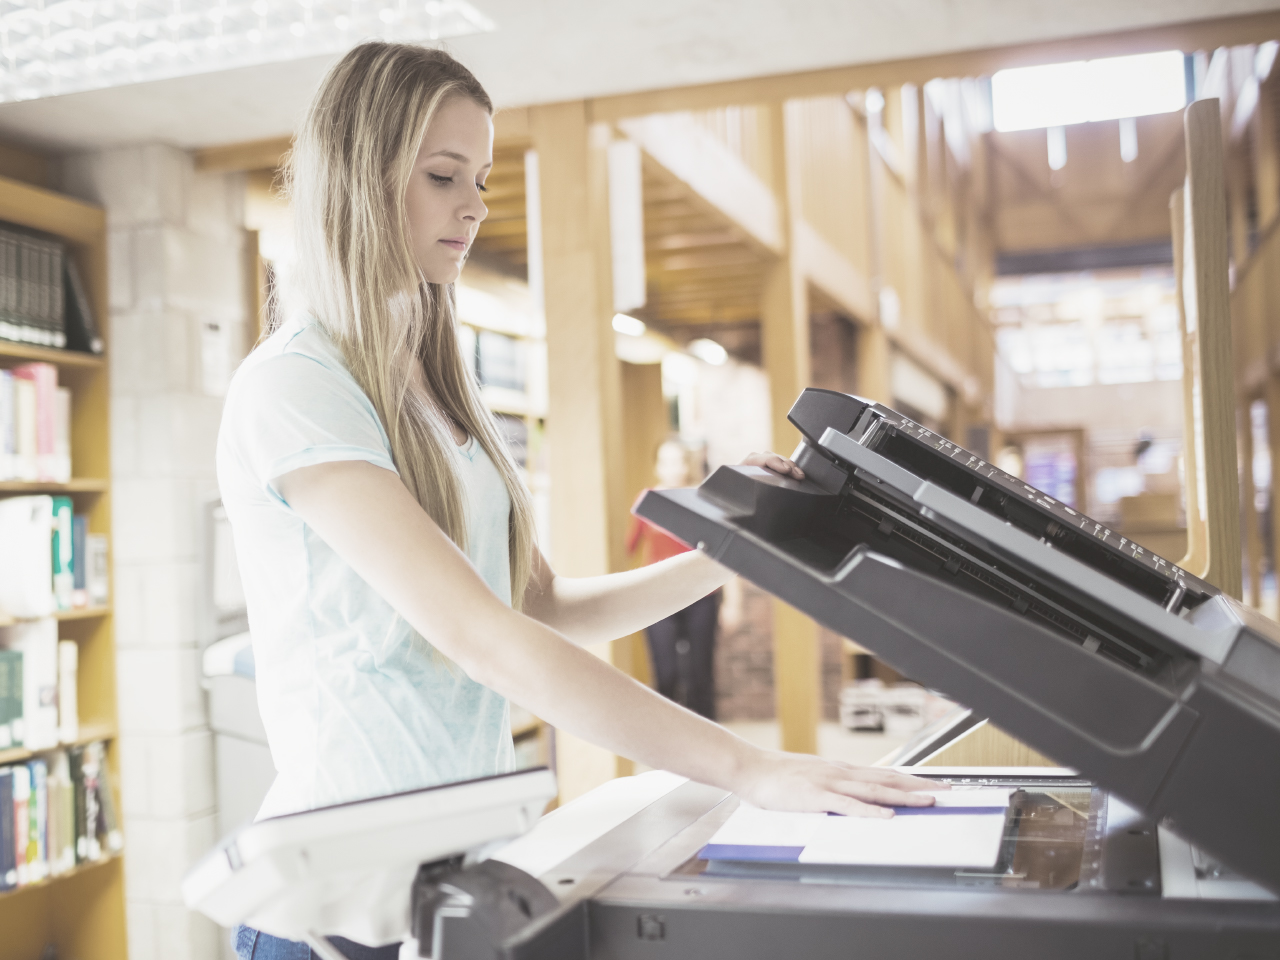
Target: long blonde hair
356, 273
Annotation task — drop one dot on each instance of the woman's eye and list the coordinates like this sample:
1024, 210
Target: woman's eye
482, 188
439, 179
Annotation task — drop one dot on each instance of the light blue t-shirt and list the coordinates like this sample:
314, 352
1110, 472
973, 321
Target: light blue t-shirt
355, 702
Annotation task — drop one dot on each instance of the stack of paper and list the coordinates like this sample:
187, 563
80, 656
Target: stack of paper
963, 828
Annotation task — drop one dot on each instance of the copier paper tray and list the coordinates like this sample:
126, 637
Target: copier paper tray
1152, 683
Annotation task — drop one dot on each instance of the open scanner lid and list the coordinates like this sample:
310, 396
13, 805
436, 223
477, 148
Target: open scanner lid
1078, 641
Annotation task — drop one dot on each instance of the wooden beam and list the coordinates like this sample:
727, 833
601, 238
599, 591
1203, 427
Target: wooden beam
712, 172
830, 270
1205, 34
236, 157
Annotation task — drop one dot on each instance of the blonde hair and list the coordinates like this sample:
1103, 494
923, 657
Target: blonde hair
356, 273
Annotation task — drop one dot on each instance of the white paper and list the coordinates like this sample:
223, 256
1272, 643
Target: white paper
932, 839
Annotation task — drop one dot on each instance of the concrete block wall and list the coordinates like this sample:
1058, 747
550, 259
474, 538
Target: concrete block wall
177, 321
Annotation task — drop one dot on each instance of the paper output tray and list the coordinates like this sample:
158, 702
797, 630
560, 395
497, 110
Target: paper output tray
1148, 681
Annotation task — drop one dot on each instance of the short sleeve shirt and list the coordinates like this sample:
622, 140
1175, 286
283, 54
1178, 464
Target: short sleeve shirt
355, 702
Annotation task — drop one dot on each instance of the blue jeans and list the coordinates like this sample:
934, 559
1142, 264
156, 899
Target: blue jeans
250, 944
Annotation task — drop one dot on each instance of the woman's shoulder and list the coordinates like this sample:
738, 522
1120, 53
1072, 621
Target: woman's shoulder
298, 351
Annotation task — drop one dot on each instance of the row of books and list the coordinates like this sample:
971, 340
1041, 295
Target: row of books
56, 812
42, 297
35, 425
38, 686
49, 560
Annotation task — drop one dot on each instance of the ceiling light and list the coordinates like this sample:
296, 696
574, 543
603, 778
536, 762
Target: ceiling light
1058, 94
708, 351
628, 325
64, 46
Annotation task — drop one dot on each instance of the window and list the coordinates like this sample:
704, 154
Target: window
1077, 329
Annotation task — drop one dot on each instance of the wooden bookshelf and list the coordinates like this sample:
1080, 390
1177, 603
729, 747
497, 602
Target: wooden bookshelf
89, 733
25, 352
76, 485
80, 913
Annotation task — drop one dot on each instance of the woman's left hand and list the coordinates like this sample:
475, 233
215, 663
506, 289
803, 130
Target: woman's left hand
775, 463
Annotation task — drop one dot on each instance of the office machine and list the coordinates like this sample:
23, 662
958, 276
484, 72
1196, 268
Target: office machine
1161, 841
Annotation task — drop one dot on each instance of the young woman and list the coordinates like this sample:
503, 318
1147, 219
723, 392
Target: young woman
396, 594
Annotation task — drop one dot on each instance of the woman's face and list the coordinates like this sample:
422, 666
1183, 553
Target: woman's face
443, 202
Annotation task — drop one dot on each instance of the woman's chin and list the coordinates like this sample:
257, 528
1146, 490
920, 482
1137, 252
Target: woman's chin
446, 272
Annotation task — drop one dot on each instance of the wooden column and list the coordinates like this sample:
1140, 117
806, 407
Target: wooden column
1197, 555
1208, 317
1266, 156
584, 402
784, 322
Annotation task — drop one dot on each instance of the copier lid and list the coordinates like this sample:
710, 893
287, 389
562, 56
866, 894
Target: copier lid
1064, 632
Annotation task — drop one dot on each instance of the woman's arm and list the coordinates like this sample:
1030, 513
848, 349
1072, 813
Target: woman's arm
591, 609
369, 518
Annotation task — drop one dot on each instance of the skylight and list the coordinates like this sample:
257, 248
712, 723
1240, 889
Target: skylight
1057, 94
51, 47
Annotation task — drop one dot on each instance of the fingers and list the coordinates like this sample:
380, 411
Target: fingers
849, 807
882, 794
777, 464
902, 781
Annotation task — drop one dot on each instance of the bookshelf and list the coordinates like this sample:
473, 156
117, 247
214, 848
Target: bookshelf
80, 913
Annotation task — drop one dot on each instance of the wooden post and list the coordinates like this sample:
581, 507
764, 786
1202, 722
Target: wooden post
1208, 317
1197, 555
584, 401
784, 322
1266, 161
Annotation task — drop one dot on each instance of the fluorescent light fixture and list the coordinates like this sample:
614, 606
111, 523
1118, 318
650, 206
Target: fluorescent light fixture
628, 325
1057, 145
1059, 94
64, 46
1128, 140
708, 351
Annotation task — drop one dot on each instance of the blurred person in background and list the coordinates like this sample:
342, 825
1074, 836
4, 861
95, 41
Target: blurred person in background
683, 645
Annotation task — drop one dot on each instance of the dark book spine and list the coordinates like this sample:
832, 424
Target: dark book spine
8, 857
80, 327
76, 758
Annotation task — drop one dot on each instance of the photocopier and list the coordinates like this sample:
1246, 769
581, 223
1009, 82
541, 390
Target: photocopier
1159, 839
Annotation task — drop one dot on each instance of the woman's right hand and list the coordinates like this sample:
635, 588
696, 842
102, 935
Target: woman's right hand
798, 782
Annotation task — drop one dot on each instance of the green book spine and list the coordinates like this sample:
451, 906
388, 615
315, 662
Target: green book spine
10, 697
64, 581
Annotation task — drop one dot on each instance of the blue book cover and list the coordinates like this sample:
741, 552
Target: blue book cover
8, 863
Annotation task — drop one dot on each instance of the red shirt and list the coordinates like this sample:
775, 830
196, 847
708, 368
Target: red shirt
655, 543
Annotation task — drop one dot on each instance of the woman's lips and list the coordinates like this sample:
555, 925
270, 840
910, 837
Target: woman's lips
456, 243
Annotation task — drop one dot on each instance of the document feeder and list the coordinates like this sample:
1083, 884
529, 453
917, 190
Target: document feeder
1094, 651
